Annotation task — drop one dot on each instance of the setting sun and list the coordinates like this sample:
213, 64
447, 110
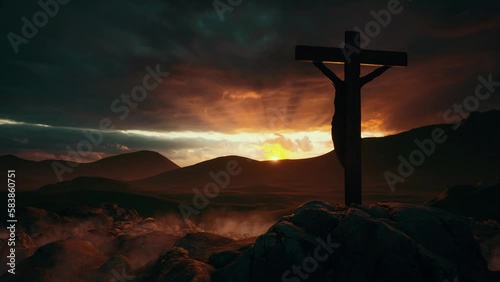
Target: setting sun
275, 152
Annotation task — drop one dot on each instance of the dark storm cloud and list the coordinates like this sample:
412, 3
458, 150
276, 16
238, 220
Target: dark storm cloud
225, 74
21, 139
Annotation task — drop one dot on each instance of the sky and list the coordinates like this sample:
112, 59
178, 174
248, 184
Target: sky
229, 82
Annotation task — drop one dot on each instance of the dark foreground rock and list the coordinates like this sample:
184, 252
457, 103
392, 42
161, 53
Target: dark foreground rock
392, 242
176, 266
67, 260
480, 203
142, 248
318, 242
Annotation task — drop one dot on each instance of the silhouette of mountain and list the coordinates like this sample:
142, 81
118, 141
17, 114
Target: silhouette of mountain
460, 159
129, 166
125, 167
302, 172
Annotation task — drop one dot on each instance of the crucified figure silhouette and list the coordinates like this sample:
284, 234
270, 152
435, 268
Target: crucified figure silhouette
339, 116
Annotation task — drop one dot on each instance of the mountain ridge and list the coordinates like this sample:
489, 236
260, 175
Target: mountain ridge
35, 174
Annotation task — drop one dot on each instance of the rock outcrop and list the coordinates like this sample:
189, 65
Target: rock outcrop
390, 242
317, 242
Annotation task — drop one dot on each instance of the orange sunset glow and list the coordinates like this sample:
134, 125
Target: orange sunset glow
251, 141
275, 152
234, 86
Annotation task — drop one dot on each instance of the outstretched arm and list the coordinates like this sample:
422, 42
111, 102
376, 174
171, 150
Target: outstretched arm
328, 73
374, 74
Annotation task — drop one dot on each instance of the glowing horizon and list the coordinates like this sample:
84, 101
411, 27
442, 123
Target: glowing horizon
201, 146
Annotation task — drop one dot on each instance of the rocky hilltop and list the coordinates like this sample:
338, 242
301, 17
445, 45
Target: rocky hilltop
317, 242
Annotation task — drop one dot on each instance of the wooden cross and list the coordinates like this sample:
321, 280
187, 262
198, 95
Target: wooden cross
352, 56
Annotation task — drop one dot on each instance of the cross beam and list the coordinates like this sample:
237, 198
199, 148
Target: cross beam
352, 56
337, 56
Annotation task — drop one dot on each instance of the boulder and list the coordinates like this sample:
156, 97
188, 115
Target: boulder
176, 266
383, 242
140, 249
66, 260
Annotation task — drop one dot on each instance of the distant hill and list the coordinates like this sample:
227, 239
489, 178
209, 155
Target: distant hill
303, 172
126, 167
470, 155
129, 166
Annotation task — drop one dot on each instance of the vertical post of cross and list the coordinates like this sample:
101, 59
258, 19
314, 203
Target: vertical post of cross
352, 171
352, 57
